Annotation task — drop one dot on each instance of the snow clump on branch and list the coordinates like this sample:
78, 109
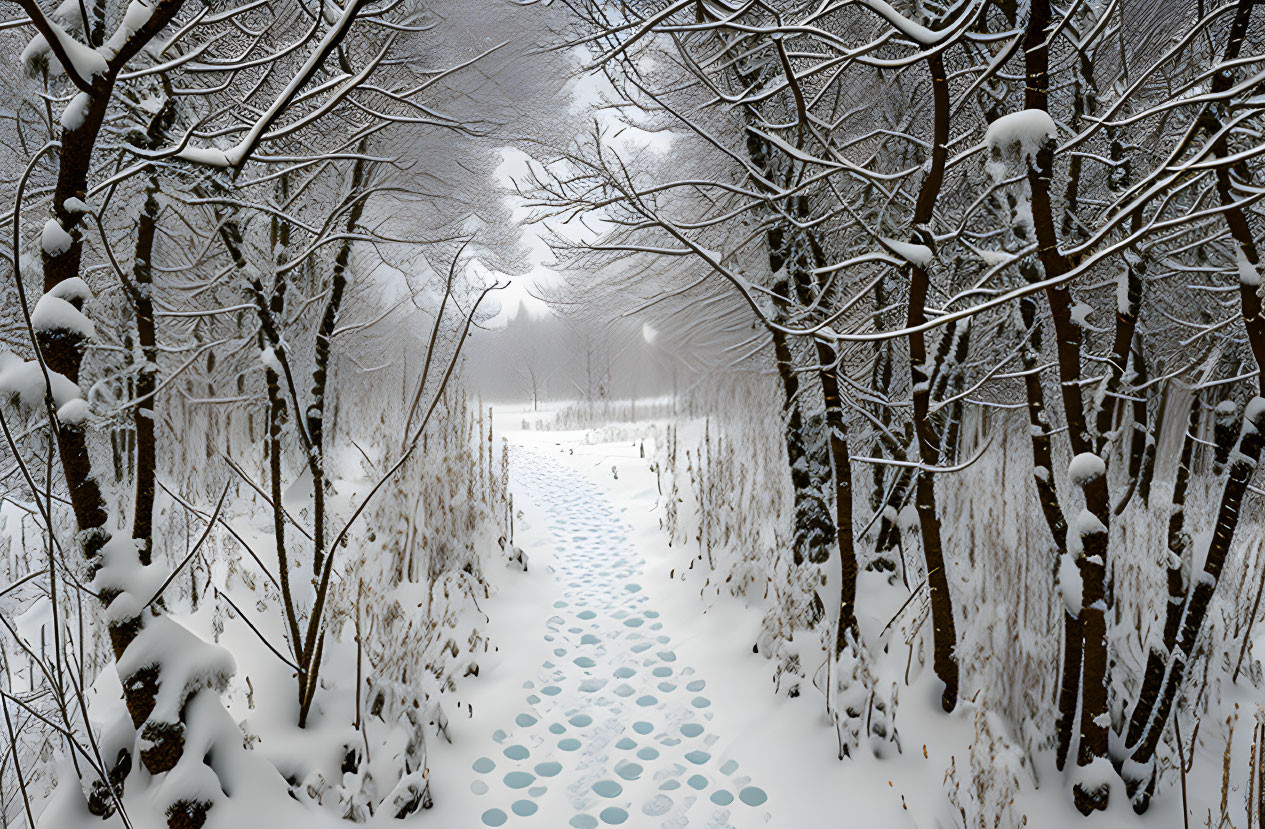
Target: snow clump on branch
1085, 467
1014, 140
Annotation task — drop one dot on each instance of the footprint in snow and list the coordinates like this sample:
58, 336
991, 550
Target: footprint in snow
614, 732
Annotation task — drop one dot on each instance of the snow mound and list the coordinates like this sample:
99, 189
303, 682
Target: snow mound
269, 358
188, 664
52, 313
1085, 467
1071, 587
1020, 134
1014, 140
23, 381
72, 116
73, 290
1254, 410
73, 413
55, 241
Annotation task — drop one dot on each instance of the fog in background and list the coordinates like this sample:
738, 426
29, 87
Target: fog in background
542, 356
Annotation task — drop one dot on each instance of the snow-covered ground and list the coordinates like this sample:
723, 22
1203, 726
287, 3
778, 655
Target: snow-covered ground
614, 724
620, 695
623, 690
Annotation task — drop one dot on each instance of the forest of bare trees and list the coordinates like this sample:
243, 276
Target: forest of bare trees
228, 225
935, 327
950, 222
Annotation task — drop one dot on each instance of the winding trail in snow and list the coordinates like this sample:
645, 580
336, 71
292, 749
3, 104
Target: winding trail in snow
613, 729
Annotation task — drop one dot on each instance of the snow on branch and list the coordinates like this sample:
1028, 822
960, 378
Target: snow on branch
917, 32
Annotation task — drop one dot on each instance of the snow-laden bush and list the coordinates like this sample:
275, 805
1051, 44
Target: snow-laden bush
998, 546
409, 605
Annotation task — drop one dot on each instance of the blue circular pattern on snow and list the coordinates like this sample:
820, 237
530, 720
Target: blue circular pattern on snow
752, 796
608, 788
519, 779
608, 668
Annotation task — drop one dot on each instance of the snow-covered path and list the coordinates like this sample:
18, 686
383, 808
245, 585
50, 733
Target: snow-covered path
612, 729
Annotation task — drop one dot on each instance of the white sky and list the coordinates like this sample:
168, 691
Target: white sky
589, 92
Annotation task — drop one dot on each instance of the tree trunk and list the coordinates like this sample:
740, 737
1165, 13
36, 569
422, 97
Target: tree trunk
1094, 530
316, 409
63, 352
1178, 548
944, 629
1194, 613
1140, 779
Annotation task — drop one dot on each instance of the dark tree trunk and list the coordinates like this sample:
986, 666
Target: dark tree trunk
141, 294
316, 409
1195, 610
1092, 561
944, 629
1052, 511
1151, 712
1178, 548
